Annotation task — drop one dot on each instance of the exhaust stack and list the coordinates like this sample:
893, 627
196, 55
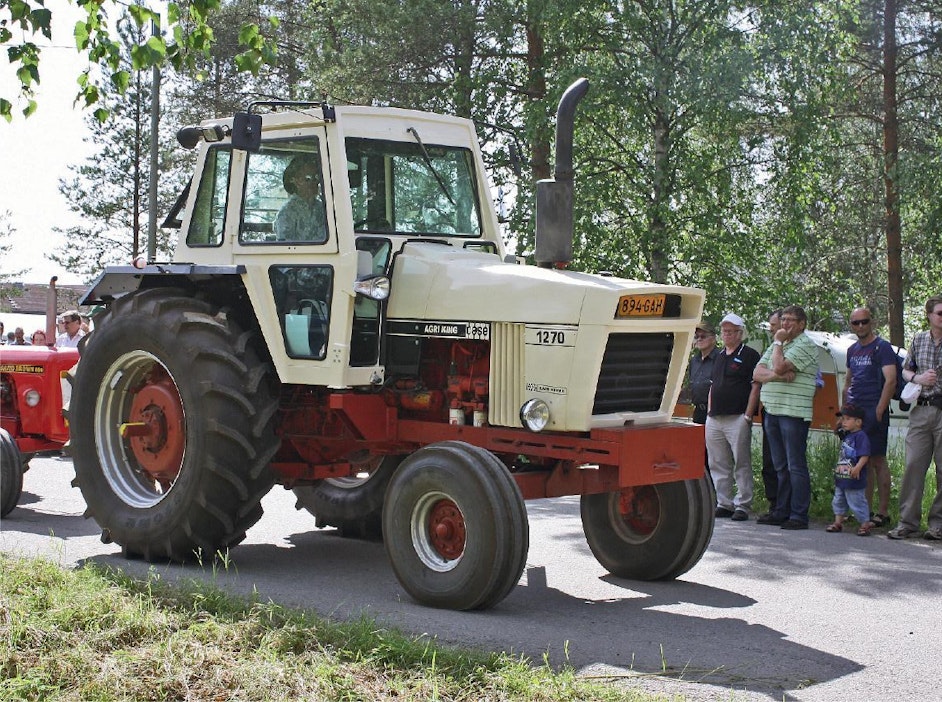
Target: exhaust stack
52, 311
554, 227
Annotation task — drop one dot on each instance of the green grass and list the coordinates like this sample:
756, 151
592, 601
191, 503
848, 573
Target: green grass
98, 635
823, 450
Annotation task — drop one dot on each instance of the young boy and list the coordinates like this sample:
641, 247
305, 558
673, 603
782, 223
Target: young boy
850, 475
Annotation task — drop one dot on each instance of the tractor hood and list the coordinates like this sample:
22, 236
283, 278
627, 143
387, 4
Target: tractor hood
435, 281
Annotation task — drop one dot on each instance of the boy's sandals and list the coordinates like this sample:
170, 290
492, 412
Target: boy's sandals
834, 528
865, 529
879, 520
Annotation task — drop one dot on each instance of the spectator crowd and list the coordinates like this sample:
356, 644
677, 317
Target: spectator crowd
70, 328
730, 382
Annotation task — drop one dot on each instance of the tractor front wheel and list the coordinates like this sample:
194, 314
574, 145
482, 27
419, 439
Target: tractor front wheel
455, 527
650, 532
11, 473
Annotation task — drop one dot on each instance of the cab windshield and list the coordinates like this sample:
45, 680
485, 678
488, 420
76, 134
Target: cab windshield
412, 188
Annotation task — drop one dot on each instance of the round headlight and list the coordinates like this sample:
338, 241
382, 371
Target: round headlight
375, 287
31, 398
535, 414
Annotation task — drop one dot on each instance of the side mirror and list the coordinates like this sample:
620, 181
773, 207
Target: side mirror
246, 131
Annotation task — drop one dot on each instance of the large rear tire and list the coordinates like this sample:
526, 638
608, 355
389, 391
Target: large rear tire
650, 532
11, 473
455, 527
353, 505
172, 427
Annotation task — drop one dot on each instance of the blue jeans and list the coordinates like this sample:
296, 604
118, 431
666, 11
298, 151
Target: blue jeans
846, 499
788, 443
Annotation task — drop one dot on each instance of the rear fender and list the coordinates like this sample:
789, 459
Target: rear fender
117, 281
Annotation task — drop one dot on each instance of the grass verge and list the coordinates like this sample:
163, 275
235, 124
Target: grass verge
95, 634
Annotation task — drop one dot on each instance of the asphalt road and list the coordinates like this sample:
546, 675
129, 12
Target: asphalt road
766, 615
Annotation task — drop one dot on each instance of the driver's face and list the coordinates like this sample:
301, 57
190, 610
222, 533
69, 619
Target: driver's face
305, 181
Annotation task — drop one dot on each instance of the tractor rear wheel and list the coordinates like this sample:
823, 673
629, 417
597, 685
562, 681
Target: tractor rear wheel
455, 527
172, 427
355, 504
11, 473
650, 532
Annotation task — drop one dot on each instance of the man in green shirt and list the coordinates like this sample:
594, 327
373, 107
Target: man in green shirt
787, 372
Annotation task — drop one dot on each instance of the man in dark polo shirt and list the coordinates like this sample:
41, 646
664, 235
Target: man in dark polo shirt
733, 401
701, 369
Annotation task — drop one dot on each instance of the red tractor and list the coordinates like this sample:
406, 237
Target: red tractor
33, 391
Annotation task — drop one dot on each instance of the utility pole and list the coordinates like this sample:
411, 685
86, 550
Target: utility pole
152, 189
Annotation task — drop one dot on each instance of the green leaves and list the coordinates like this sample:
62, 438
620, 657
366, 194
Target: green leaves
184, 36
259, 51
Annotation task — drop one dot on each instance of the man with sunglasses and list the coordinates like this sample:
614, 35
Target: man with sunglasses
72, 323
787, 372
923, 366
701, 369
869, 384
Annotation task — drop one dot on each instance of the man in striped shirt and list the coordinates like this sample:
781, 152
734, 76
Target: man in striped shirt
787, 372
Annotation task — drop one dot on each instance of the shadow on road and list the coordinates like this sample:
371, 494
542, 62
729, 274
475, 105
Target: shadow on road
622, 636
29, 517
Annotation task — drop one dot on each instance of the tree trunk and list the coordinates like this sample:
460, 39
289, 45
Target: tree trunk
536, 89
894, 245
658, 251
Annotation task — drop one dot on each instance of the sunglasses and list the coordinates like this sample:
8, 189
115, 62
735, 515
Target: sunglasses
858, 322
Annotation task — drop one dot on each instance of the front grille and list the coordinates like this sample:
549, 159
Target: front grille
634, 373
508, 350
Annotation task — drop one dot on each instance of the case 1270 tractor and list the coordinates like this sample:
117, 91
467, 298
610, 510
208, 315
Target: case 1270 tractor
340, 318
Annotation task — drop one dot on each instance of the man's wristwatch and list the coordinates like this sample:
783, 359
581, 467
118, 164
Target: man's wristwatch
776, 343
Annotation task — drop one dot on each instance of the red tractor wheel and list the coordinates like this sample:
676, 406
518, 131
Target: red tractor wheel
172, 427
11, 473
455, 527
650, 532
353, 504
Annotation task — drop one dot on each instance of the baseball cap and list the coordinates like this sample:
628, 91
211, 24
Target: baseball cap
704, 325
851, 411
735, 320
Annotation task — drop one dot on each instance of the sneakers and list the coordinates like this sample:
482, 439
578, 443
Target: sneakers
932, 534
794, 525
723, 513
903, 532
740, 515
769, 518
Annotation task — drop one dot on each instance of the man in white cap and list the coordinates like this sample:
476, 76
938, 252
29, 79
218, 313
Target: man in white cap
734, 399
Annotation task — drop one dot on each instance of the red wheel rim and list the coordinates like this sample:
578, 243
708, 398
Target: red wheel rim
446, 529
640, 509
155, 429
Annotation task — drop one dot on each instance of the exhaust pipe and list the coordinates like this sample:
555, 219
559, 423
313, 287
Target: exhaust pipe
52, 312
554, 220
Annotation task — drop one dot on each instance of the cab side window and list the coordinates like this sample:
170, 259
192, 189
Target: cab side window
209, 211
284, 195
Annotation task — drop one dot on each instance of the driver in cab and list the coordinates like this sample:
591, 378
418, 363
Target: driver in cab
302, 217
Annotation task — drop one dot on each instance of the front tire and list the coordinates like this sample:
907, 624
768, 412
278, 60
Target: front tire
650, 532
11, 473
172, 428
455, 527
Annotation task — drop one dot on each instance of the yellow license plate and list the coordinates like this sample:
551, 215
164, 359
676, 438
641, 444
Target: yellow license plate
641, 306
